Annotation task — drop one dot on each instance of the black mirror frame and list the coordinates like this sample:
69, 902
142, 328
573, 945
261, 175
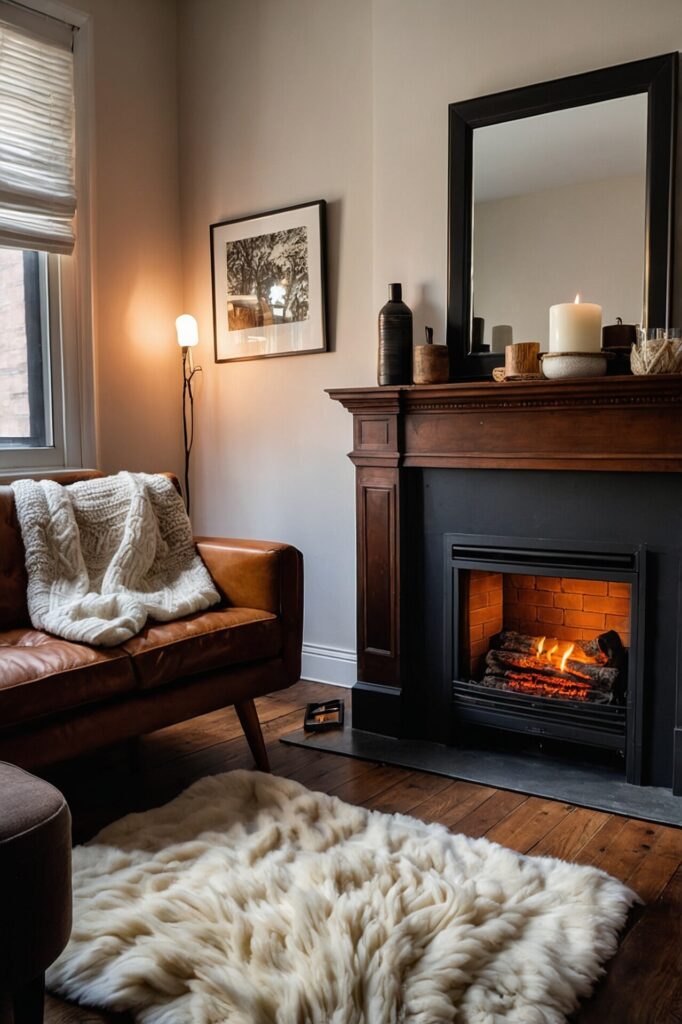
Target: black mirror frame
656, 76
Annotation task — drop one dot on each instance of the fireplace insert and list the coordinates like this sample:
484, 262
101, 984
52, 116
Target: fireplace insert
543, 640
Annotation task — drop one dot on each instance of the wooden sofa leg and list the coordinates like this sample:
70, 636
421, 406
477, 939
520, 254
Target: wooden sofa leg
248, 716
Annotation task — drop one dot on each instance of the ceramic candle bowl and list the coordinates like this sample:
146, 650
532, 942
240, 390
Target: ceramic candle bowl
561, 365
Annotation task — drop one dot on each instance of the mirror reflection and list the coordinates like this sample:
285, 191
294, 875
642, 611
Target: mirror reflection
559, 209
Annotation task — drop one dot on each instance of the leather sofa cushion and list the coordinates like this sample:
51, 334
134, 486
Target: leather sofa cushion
41, 675
167, 651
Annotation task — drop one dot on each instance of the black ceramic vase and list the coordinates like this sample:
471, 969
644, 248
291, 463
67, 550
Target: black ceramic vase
395, 339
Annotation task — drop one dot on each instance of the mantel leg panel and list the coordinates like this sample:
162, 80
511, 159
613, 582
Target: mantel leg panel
379, 664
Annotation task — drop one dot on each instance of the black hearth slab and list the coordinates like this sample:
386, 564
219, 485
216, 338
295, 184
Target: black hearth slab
597, 788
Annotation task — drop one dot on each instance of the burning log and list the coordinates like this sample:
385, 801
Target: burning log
510, 640
598, 677
607, 647
588, 670
548, 686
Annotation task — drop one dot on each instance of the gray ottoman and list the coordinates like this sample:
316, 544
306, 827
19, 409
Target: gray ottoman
35, 890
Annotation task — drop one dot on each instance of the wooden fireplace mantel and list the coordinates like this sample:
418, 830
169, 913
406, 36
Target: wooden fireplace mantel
626, 424
623, 424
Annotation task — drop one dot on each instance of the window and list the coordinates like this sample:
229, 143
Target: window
41, 264
25, 413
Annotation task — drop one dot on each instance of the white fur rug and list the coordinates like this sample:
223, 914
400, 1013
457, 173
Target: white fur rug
251, 900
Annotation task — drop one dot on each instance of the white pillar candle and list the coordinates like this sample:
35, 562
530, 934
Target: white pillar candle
575, 327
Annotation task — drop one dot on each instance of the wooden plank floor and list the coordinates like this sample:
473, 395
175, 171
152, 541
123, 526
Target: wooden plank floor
644, 981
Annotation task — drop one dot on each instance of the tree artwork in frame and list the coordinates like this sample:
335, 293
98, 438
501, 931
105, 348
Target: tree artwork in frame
269, 284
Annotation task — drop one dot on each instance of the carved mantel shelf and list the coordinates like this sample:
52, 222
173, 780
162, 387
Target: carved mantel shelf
625, 424
630, 424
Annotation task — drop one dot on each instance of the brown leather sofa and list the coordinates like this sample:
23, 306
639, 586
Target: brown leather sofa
59, 699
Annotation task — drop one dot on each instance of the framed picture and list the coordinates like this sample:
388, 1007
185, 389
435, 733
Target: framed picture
269, 284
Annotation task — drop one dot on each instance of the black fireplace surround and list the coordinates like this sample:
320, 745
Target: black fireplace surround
605, 526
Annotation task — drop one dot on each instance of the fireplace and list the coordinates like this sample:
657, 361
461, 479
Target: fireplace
501, 531
541, 642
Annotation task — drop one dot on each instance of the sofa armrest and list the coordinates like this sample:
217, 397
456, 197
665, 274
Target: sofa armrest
252, 573
264, 575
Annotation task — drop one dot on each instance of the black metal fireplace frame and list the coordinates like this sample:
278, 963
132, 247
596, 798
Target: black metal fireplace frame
610, 727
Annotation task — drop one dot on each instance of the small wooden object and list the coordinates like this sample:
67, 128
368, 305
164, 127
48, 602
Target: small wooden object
431, 362
522, 359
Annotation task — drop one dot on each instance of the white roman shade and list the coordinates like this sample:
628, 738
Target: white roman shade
37, 188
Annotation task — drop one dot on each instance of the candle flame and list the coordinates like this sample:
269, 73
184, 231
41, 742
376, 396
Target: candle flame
577, 299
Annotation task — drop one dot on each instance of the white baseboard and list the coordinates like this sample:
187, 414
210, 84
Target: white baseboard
328, 665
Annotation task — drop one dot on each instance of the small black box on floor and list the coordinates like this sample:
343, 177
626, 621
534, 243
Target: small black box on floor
327, 715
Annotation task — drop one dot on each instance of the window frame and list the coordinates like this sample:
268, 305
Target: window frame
70, 288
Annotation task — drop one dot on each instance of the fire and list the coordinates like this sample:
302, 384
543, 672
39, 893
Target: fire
551, 667
553, 648
565, 656
576, 300
562, 656
557, 653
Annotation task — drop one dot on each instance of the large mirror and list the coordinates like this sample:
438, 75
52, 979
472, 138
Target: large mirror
553, 218
559, 189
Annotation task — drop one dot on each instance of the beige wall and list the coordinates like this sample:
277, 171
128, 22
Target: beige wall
137, 232
275, 109
434, 52
284, 101
534, 250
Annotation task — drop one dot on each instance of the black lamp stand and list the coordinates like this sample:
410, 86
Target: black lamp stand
188, 371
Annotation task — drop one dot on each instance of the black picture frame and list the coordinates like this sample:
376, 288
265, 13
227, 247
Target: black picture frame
287, 216
656, 76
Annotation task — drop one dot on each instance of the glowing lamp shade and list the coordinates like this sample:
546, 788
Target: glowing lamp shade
188, 331
188, 337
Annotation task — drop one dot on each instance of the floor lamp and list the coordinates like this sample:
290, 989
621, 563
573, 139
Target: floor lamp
188, 337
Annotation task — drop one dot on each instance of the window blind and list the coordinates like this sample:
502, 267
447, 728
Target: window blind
37, 187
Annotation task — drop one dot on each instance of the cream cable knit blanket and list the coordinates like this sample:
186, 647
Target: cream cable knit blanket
104, 554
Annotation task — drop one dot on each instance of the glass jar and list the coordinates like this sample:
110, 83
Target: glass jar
658, 350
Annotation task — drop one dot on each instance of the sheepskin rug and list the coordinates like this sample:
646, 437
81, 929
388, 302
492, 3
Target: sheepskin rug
251, 900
